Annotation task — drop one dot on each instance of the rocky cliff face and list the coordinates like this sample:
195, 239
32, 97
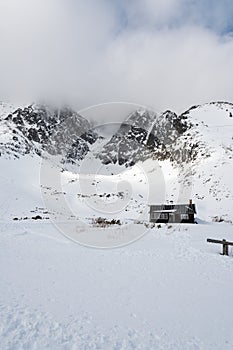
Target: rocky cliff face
146, 134
38, 129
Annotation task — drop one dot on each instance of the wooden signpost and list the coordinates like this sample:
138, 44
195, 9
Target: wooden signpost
224, 243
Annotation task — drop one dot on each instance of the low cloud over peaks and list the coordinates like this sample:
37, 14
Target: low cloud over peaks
163, 54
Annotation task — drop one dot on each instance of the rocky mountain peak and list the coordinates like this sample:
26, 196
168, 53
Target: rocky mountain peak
55, 131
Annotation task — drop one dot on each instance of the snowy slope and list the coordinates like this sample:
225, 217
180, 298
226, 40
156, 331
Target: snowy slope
210, 173
170, 290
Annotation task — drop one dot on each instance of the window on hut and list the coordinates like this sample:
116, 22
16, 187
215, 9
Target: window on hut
184, 216
163, 216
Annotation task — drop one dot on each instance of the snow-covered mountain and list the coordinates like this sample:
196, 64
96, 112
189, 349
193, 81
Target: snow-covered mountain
198, 144
191, 154
146, 134
39, 128
160, 291
210, 172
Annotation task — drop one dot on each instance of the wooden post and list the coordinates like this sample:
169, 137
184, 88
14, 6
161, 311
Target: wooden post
224, 247
227, 246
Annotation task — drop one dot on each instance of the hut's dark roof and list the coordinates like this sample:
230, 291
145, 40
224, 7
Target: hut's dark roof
178, 208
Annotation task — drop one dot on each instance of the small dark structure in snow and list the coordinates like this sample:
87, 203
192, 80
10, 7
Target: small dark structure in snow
224, 243
173, 213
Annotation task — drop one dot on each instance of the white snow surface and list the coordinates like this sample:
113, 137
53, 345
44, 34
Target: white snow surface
168, 290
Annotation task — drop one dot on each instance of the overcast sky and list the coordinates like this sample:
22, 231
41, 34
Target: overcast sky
165, 54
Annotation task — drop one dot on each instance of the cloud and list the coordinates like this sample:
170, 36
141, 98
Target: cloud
213, 14
164, 54
170, 69
152, 13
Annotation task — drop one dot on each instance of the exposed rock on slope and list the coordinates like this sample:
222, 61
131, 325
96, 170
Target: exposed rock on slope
198, 145
38, 128
146, 134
